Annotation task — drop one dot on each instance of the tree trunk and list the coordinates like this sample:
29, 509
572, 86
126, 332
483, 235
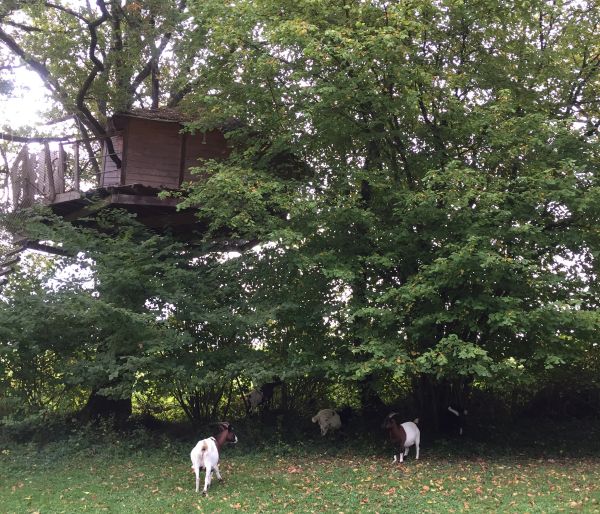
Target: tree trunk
100, 407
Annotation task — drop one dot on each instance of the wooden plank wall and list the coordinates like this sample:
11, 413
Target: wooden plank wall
111, 175
153, 153
199, 147
153, 150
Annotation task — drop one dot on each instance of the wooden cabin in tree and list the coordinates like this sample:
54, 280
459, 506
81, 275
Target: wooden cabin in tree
151, 153
155, 152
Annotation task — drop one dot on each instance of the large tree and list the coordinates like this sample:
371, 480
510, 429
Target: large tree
421, 175
96, 58
453, 198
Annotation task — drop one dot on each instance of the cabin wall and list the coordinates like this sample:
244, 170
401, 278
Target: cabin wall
111, 175
152, 154
156, 154
203, 146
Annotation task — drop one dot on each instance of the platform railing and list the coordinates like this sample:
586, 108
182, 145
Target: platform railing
49, 173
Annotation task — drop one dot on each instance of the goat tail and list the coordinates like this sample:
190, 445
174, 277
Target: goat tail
416, 421
198, 455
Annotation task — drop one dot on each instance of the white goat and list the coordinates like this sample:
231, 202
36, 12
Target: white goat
328, 420
206, 455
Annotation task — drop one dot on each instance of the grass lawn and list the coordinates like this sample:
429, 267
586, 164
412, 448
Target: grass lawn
129, 476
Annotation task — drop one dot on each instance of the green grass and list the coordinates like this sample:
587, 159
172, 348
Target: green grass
131, 476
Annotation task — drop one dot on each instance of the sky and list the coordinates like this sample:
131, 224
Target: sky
22, 107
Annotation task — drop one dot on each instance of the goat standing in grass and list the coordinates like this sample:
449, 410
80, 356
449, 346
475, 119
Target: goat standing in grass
328, 419
404, 435
206, 454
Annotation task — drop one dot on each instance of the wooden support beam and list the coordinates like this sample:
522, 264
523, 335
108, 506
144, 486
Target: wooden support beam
49, 173
15, 251
67, 197
87, 210
11, 262
42, 139
76, 168
54, 250
150, 201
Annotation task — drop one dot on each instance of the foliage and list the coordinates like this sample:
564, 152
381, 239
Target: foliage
102, 329
98, 58
449, 212
414, 183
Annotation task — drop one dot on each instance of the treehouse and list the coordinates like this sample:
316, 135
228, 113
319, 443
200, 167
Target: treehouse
150, 153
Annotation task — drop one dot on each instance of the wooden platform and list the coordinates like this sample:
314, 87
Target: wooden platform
143, 201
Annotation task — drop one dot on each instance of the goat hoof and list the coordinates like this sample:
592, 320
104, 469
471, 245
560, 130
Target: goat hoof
204, 493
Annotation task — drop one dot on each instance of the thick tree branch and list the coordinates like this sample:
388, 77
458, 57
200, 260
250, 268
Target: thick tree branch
56, 89
147, 70
21, 26
37, 66
89, 118
66, 10
177, 96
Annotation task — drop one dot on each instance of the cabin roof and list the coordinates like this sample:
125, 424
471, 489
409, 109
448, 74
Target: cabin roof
171, 115
160, 114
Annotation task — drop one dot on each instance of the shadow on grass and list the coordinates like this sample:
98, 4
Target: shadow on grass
532, 438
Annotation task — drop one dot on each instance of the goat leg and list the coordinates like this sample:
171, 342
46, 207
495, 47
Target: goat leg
219, 477
207, 480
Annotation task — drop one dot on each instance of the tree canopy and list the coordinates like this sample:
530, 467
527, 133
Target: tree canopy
420, 176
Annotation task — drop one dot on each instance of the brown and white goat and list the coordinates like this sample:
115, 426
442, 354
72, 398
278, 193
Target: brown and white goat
206, 454
404, 435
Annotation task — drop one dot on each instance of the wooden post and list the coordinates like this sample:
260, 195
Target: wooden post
61, 170
17, 176
49, 173
76, 167
182, 152
27, 191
